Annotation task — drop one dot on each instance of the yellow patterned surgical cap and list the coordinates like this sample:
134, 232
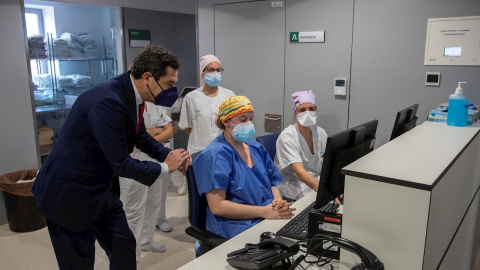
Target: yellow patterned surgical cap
234, 106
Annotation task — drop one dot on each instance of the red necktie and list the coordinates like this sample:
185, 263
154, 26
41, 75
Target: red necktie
140, 114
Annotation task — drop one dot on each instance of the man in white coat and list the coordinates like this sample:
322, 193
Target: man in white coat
143, 204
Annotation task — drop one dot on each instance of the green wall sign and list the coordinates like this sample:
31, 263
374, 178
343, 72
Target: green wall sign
294, 36
318, 36
139, 38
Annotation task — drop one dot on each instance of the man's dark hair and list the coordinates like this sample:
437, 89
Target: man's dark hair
154, 59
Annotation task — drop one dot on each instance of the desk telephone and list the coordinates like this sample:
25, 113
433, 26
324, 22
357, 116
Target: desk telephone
264, 254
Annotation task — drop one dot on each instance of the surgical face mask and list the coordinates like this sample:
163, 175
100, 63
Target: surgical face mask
243, 132
307, 119
213, 79
166, 98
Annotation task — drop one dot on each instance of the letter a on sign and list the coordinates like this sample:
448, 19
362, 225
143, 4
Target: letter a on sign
293, 36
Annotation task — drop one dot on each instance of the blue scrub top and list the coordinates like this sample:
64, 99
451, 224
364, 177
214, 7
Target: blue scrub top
219, 166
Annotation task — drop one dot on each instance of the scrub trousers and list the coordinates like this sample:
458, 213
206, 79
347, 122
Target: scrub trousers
76, 250
143, 205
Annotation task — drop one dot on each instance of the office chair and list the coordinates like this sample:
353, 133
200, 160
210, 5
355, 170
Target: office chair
269, 142
197, 215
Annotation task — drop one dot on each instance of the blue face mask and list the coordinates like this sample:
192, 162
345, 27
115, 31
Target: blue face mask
213, 79
243, 132
166, 98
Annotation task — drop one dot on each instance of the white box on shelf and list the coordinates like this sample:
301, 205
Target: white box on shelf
70, 99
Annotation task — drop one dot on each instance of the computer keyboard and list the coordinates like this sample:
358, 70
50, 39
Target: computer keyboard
297, 228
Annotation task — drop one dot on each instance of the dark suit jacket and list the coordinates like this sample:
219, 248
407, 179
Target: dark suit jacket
91, 151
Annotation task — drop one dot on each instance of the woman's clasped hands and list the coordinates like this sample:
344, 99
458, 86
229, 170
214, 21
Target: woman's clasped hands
280, 209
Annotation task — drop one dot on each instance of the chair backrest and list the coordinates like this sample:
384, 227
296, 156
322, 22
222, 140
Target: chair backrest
197, 205
269, 142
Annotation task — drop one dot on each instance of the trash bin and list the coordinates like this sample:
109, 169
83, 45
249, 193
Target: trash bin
20, 204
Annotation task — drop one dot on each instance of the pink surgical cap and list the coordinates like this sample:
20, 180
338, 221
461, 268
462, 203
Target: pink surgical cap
298, 98
207, 59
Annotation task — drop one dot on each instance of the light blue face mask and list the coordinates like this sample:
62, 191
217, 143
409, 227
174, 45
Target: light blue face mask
213, 79
243, 132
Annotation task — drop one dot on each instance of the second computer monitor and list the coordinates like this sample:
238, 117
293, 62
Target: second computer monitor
342, 149
406, 120
186, 90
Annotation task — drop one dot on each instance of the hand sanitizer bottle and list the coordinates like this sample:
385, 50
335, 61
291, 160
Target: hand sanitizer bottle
457, 108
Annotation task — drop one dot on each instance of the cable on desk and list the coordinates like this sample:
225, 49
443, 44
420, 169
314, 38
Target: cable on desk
297, 263
321, 260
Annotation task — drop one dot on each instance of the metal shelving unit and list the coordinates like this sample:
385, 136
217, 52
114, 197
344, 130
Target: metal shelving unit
51, 79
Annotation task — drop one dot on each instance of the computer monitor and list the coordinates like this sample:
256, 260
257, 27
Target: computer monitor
406, 120
186, 90
177, 106
342, 149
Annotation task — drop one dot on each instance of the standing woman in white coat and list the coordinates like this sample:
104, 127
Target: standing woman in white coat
300, 149
200, 107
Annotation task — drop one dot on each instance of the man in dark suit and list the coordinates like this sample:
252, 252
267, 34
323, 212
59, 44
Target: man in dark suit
73, 188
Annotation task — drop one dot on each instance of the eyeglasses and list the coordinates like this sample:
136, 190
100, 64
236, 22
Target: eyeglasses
211, 70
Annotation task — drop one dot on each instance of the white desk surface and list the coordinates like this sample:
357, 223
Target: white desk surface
217, 258
417, 149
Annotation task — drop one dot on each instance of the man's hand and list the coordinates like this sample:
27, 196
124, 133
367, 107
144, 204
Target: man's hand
186, 164
178, 158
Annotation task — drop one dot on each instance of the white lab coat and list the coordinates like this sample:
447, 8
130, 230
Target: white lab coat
143, 204
292, 148
200, 112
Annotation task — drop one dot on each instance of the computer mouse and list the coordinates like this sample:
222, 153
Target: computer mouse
267, 235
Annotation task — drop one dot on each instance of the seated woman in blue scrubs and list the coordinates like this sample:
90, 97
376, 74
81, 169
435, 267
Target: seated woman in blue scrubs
237, 175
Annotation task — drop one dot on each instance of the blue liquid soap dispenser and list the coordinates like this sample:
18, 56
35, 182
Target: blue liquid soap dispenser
457, 108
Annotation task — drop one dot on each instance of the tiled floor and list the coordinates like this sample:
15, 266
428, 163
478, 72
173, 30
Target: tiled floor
33, 250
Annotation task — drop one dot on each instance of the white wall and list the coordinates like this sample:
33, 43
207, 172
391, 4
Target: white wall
176, 6
159, 23
205, 28
18, 138
388, 73
176, 34
387, 70
185, 49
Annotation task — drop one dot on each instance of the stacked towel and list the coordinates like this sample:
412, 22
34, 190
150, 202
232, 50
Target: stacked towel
43, 97
74, 80
43, 81
111, 49
74, 45
61, 48
65, 81
88, 43
36, 47
82, 81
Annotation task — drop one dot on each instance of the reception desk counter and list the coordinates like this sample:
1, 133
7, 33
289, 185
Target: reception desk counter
414, 201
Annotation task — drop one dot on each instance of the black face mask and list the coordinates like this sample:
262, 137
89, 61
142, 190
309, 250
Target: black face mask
166, 98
